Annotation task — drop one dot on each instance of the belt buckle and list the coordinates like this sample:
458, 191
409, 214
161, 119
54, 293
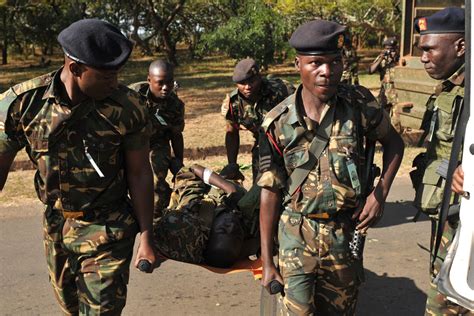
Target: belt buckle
72, 214
318, 216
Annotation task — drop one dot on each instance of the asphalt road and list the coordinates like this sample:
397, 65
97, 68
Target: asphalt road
396, 271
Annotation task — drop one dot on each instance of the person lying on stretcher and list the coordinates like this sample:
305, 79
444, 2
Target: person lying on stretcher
214, 224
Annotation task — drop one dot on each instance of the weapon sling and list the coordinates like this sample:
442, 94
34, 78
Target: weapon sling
316, 148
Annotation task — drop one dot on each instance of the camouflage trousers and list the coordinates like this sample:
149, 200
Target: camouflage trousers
437, 304
160, 157
387, 96
314, 258
88, 260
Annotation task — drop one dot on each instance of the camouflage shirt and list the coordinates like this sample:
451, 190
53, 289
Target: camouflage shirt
79, 152
328, 187
166, 116
238, 112
387, 67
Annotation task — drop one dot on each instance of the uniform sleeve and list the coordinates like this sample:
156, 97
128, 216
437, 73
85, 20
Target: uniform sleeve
272, 172
139, 126
177, 124
375, 119
227, 112
12, 137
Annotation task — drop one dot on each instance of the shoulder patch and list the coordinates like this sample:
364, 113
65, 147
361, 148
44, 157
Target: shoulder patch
34, 83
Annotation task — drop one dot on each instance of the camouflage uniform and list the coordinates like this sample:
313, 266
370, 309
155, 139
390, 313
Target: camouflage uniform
439, 123
167, 117
351, 66
316, 226
89, 229
183, 230
238, 112
387, 95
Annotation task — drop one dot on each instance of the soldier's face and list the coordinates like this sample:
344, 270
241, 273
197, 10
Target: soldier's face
321, 74
442, 54
161, 83
95, 83
250, 87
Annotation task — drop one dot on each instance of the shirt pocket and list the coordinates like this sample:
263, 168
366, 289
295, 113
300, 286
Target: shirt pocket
445, 103
103, 149
295, 157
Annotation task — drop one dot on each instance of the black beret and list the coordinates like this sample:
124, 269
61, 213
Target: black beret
391, 41
448, 20
95, 43
318, 37
245, 69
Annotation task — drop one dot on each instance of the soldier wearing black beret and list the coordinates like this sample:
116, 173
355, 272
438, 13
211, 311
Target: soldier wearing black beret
443, 49
311, 159
246, 106
88, 136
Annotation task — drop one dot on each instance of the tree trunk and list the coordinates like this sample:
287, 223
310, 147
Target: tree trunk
169, 47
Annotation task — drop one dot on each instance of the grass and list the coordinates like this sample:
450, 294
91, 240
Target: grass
204, 84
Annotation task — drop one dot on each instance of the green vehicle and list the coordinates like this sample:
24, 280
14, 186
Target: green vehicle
412, 83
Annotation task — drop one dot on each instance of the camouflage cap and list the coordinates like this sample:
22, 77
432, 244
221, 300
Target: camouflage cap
245, 69
318, 37
448, 20
95, 43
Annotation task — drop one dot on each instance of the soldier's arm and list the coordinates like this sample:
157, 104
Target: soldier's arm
232, 143
214, 179
375, 64
177, 143
6, 160
140, 184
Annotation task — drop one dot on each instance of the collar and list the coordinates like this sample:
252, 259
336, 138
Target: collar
456, 79
53, 90
296, 115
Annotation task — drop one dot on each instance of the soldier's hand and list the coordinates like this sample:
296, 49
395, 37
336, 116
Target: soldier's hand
458, 181
372, 211
232, 172
145, 252
269, 274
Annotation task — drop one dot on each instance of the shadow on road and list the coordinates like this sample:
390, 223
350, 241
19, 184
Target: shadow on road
384, 295
397, 213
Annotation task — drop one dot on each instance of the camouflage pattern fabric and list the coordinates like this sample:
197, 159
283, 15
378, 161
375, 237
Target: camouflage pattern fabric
350, 73
445, 104
88, 260
167, 118
238, 112
80, 156
437, 304
183, 231
387, 95
320, 276
315, 260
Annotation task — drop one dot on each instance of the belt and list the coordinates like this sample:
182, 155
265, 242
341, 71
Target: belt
72, 214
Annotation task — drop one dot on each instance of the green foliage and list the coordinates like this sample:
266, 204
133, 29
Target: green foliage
255, 32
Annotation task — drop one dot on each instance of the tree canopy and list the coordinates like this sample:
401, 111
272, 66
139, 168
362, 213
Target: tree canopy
238, 28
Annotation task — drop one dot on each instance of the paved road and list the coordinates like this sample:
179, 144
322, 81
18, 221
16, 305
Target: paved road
396, 272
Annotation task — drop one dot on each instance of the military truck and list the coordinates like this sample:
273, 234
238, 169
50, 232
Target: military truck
412, 83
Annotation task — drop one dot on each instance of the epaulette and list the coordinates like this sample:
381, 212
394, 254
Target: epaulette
234, 94
34, 83
274, 113
126, 97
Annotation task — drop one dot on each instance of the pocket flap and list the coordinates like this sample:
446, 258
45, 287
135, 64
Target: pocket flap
445, 102
430, 176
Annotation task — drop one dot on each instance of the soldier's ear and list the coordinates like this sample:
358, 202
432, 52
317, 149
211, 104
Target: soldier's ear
148, 79
460, 47
297, 63
75, 69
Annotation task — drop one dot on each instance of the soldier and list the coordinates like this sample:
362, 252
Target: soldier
350, 62
167, 117
385, 64
443, 49
88, 138
247, 105
312, 143
202, 225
